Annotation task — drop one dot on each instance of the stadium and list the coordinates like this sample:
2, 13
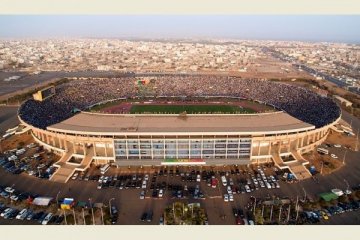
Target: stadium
156, 120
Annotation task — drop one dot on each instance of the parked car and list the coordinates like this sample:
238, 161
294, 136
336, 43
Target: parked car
22, 214
47, 218
161, 193
142, 194
161, 221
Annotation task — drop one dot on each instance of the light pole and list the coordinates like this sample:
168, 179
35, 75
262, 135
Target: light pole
65, 216
110, 205
288, 216
280, 213
102, 215
57, 195
83, 213
347, 185
322, 166
92, 212
74, 216
344, 157
297, 207
357, 140
304, 193
254, 205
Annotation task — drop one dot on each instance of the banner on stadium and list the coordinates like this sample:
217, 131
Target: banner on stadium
184, 161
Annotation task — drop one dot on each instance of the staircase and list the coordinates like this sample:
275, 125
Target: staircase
67, 169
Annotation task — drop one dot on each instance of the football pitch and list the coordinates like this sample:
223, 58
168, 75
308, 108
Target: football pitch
190, 109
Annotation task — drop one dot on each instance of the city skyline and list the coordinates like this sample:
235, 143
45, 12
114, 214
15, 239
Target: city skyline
312, 28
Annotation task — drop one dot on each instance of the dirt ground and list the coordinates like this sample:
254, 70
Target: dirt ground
16, 141
326, 162
343, 139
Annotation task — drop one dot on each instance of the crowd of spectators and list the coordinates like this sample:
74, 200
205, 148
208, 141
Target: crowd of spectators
299, 102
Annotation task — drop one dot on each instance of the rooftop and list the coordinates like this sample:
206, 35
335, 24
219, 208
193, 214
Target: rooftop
133, 124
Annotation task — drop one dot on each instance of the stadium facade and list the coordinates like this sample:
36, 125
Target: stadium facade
177, 139
128, 140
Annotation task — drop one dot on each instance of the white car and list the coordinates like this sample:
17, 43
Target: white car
142, 194
22, 214
338, 192
268, 186
231, 182
272, 178
146, 177
337, 145
75, 176
228, 189
5, 212
226, 197
101, 179
9, 190
198, 178
223, 180
47, 219
143, 186
277, 185
333, 156
247, 189
231, 197
161, 193
348, 192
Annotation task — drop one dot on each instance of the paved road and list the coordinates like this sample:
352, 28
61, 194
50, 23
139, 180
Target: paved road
27, 80
8, 118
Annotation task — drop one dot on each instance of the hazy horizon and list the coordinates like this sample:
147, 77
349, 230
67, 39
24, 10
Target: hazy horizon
311, 28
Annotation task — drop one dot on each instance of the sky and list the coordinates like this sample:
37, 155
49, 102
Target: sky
329, 28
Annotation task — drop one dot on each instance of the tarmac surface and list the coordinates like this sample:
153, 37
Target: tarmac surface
27, 80
8, 118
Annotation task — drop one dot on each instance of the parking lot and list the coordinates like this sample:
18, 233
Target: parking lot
178, 184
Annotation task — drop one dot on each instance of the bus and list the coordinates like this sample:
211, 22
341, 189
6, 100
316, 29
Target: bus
323, 151
104, 168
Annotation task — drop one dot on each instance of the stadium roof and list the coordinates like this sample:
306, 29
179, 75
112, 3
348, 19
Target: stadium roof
134, 124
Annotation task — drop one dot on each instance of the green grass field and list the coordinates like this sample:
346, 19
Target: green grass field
191, 109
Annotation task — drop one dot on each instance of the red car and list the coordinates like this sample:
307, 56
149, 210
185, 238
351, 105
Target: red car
214, 182
239, 221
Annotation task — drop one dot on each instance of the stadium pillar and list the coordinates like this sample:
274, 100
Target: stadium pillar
60, 142
53, 140
94, 146
66, 145
84, 149
289, 146
46, 139
302, 141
